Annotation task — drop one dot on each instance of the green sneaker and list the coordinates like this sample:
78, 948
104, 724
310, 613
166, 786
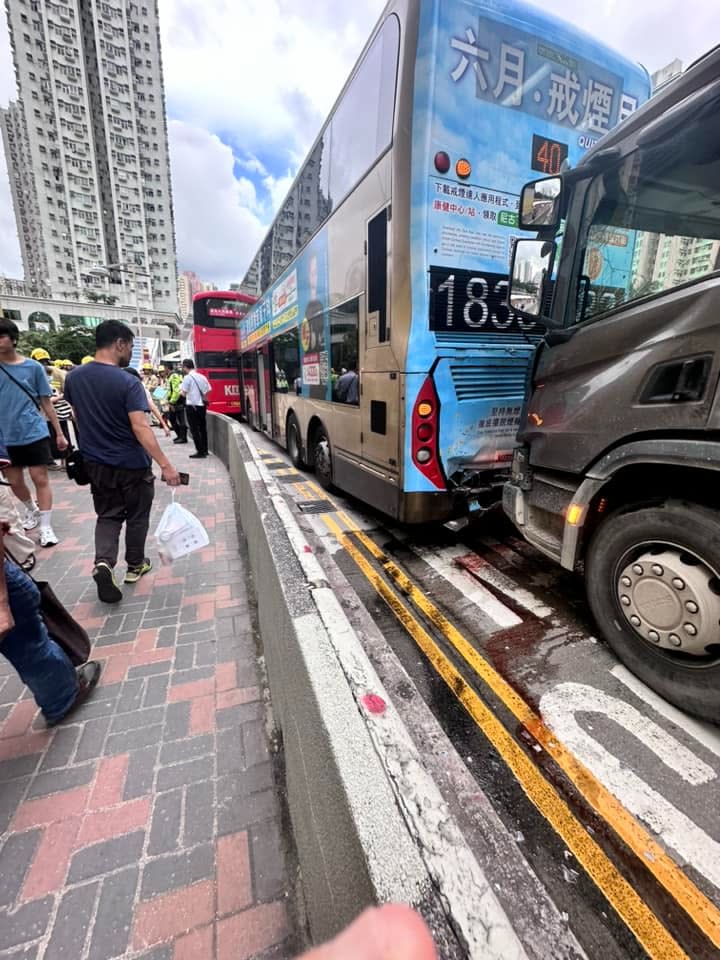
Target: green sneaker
134, 573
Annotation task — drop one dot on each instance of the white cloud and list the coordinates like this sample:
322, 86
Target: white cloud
216, 215
277, 189
279, 65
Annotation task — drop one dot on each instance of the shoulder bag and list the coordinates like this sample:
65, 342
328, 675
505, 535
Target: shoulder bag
203, 396
55, 453
62, 627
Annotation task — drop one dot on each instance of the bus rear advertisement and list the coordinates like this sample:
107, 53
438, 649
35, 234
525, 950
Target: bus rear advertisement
216, 315
382, 351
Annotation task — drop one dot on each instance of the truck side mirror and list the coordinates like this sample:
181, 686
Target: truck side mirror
540, 204
532, 263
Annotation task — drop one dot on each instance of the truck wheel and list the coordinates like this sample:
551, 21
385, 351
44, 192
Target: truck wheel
653, 584
322, 459
294, 443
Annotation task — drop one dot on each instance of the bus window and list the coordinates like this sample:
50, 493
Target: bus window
344, 326
362, 124
377, 276
287, 361
215, 359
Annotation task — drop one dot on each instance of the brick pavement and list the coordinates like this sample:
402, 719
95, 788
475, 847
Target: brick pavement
149, 824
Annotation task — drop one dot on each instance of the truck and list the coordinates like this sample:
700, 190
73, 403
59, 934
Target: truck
616, 472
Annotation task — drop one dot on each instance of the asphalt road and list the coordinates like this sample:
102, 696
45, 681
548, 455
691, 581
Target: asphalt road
591, 803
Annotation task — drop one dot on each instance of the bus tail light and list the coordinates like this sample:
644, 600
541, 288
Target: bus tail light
442, 161
425, 423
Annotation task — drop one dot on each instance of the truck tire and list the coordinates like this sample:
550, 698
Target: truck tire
653, 583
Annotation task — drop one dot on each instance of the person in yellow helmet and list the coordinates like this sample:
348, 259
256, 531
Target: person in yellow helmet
86, 359
55, 374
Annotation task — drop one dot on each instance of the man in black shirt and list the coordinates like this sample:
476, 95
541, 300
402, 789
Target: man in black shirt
118, 447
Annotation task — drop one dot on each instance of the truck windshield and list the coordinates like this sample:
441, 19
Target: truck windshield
653, 220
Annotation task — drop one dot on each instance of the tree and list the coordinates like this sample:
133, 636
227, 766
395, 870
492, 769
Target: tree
70, 343
73, 343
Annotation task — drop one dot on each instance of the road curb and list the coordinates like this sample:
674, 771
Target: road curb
370, 825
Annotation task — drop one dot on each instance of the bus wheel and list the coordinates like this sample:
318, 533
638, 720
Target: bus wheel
322, 459
292, 439
653, 583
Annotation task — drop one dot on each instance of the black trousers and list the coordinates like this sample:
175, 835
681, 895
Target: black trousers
121, 496
176, 416
197, 421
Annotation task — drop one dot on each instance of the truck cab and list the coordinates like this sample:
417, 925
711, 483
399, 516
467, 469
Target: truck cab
617, 469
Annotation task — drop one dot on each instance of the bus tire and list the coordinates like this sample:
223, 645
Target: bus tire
293, 441
652, 565
322, 459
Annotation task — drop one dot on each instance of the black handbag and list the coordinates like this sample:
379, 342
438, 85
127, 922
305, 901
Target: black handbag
62, 627
75, 468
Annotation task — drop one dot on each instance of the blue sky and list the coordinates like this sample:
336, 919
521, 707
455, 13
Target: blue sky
248, 85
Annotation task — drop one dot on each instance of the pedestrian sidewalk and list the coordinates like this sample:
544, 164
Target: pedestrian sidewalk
148, 825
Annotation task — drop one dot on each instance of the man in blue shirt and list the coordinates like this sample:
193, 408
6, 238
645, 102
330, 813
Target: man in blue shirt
347, 389
118, 446
24, 640
25, 411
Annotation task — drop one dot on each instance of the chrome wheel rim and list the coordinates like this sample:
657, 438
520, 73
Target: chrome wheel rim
670, 598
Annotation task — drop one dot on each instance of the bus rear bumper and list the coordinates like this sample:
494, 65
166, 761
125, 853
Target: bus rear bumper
428, 507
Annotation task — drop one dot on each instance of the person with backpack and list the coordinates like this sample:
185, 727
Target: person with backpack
196, 390
26, 416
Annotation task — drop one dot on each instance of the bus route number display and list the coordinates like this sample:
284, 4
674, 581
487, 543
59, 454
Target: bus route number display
464, 301
548, 155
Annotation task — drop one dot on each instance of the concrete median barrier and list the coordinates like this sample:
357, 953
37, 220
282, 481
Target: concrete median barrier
369, 827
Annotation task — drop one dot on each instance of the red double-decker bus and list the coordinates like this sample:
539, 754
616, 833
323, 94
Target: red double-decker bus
216, 314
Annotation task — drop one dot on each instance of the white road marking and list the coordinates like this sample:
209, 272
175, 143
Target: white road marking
467, 585
483, 570
559, 708
704, 733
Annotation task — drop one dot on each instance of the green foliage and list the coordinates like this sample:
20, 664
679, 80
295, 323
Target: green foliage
70, 343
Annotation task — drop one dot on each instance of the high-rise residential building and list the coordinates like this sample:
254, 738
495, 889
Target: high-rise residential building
188, 285
662, 261
86, 148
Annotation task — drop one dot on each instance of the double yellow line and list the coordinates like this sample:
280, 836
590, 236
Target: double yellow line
655, 939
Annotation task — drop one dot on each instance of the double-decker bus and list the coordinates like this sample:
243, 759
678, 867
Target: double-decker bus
382, 352
216, 314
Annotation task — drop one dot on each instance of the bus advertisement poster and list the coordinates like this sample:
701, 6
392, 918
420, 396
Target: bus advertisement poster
502, 96
312, 268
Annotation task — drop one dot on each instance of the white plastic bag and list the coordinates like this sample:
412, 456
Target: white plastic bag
179, 533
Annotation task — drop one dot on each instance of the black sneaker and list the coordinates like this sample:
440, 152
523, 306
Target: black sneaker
197, 456
178, 440
88, 675
108, 590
